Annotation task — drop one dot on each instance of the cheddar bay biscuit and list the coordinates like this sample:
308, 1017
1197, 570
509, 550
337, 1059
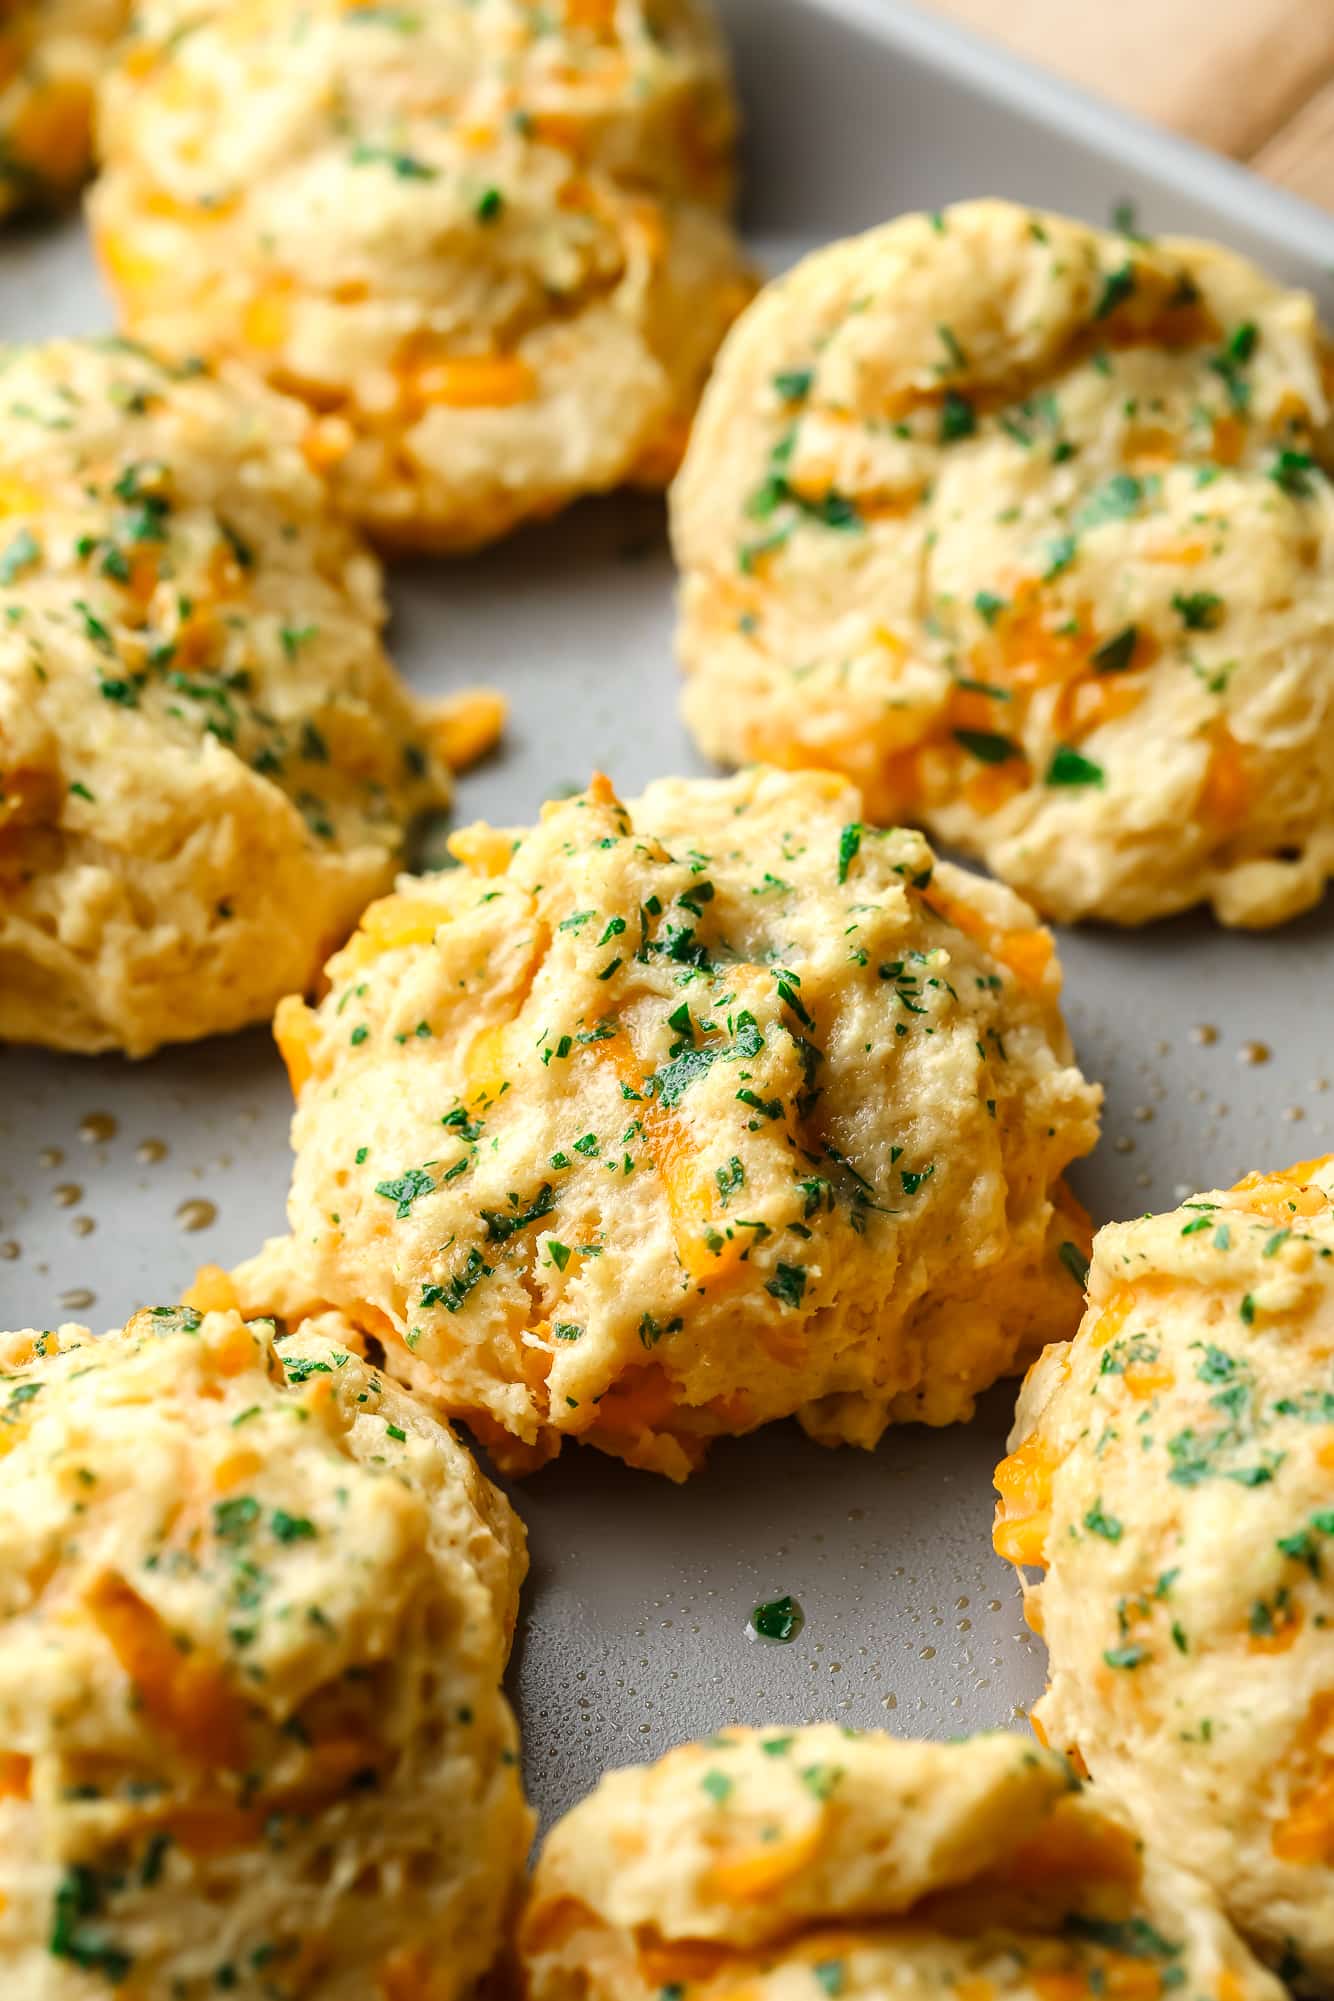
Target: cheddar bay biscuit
779, 1865
207, 763
51, 55
1027, 527
487, 243
255, 1604
660, 1121
1172, 1474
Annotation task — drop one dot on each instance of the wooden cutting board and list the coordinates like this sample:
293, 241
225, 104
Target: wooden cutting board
1253, 78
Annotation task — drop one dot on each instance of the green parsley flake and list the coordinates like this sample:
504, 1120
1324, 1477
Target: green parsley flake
987, 746
1070, 767
405, 1189
788, 1284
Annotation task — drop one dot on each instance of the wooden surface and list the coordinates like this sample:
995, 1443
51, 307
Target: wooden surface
1253, 78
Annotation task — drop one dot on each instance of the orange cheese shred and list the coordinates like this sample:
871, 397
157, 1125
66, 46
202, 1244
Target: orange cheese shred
393, 923
468, 725
15, 1776
186, 1695
1145, 1380
1305, 1835
1024, 1483
1226, 791
295, 1028
689, 1191
211, 1292
1113, 1316
1027, 954
476, 382
751, 1873
682, 1961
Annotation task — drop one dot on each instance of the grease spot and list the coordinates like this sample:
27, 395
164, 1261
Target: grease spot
97, 1128
197, 1213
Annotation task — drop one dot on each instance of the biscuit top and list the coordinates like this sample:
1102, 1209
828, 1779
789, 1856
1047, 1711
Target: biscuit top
638, 92
171, 573
495, 162
1027, 526
1079, 381
486, 240
1213, 1325
753, 1833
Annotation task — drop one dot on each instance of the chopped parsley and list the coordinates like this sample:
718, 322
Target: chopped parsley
788, 1284
1117, 287
1199, 611
1115, 500
1131, 1656
1099, 1523
987, 746
404, 1189
1292, 471
958, 418
1116, 653
1071, 767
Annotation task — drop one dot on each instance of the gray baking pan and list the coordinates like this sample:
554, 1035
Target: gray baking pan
116, 1180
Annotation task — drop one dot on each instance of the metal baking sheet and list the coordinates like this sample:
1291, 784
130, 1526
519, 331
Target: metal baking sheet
116, 1180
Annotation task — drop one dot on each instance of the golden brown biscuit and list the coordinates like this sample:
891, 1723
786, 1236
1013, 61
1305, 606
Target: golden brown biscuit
207, 763
784, 1865
660, 1121
255, 1604
1172, 1471
51, 55
1027, 527
486, 242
